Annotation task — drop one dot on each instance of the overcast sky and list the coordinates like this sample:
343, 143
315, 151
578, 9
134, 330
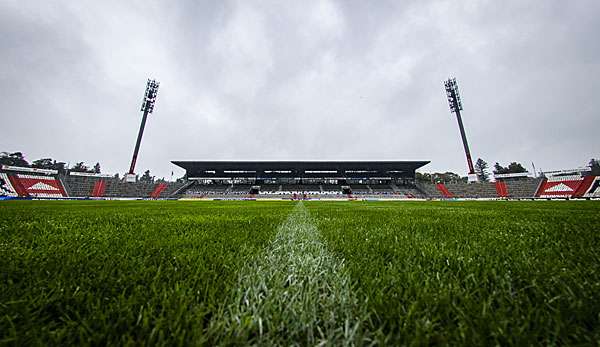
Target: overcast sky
301, 80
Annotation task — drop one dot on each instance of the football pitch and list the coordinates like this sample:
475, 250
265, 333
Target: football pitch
299, 273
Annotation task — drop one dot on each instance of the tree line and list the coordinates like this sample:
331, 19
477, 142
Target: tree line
18, 159
482, 170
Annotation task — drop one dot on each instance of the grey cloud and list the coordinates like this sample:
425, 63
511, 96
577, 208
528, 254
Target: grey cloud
300, 80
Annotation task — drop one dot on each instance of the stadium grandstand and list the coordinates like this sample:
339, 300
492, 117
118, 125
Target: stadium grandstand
574, 183
383, 180
301, 179
26, 182
337, 179
367, 180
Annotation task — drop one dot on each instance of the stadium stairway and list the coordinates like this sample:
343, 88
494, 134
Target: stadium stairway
99, 188
172, 189
160, 187
21, 191
584, 186
445, 192
540, 188
181, 190
501, 189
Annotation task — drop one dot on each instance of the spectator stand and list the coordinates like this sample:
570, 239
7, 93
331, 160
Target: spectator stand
28, 182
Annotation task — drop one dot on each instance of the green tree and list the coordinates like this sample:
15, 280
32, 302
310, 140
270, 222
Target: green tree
595, 166
499, 169
423, 177
513, 167
182, 178
80, 167
446, 177
60, 166
50, 164
481, 169
13, 159
97, 168
45, 163
146, 177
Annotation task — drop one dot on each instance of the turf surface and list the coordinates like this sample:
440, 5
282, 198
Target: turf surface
116, 273
473, 273
166, 273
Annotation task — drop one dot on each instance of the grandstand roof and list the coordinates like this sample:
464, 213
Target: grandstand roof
304, 169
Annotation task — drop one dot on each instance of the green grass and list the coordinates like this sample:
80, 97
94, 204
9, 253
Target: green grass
473, 273
119, 273
167, 273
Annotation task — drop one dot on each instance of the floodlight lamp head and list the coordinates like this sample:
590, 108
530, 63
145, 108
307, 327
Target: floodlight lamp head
454, 100
150, 96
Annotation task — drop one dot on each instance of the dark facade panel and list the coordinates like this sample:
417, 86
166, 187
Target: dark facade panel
300, 169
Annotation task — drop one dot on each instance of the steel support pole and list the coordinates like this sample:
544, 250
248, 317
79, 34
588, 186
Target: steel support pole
138, 142
464, 137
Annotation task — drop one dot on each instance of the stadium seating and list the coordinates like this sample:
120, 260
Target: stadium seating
204, 190
82, 186
270, 187
86, 186
79, 186
410, 192
381, 188
40, 186
331, 188
360, 189
559, 186
241, 188
118, 188
300, 188
428, 190
6, 187
522, 188
172, 190
475, 190
594, 189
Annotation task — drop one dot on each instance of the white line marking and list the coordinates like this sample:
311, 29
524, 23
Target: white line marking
297, 291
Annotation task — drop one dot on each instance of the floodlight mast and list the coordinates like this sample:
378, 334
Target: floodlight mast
147, 108
455, 104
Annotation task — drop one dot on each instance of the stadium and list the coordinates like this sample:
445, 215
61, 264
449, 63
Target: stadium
297, 180
351, 248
